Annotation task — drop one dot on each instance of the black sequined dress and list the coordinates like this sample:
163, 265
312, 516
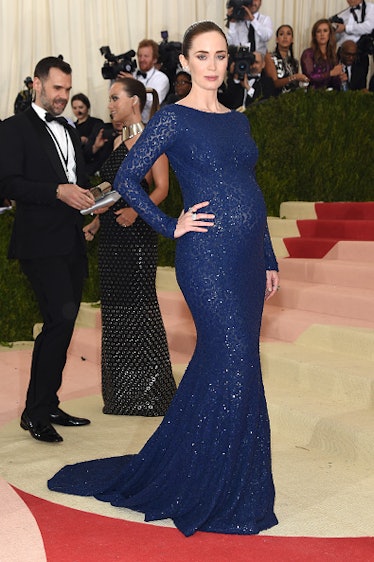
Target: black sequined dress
136, 371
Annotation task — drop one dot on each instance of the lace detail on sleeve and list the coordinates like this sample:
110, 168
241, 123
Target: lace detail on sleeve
270, 259
158, 136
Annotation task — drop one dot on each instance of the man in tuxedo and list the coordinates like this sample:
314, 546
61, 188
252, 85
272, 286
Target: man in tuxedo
42, 169
244, 90
355, 68
252, 29
149, 75
358, 20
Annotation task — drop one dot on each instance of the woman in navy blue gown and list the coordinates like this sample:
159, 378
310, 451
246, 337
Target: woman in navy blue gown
208, 465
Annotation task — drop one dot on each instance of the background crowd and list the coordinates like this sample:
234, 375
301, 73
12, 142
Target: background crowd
118, 24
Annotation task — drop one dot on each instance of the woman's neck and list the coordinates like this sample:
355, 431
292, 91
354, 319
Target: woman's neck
83, 119
283, 51
203, 101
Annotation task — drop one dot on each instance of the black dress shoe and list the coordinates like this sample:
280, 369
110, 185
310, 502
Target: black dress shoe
60, 417
40, 431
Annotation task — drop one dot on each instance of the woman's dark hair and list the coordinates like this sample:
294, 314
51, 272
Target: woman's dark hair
331, 45
136, 88
197, 29
44, 66
291, 57
83, 98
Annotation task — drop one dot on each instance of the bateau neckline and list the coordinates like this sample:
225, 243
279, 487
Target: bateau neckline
202, 111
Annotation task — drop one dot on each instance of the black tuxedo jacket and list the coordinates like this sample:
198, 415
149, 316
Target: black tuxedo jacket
30, 171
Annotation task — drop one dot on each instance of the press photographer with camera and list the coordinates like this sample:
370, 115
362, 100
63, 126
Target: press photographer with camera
356, 23
24, 97
247, 81
147, 73
246, 26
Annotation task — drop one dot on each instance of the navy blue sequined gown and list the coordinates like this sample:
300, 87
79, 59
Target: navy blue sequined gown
208, 465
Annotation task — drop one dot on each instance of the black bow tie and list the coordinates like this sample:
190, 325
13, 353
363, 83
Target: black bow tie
49, 117
140, 73
355, 8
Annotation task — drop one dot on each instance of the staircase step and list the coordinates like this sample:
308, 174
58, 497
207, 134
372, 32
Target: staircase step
352, 251
287, 325
282, 227
357, 342
339, 229
320, 374
346, 210
309, 247
297, 210
314, 297
330, 272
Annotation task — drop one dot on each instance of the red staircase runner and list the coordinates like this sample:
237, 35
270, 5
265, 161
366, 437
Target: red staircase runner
335, 222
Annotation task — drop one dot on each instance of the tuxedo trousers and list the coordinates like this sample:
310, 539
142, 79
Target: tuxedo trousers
57, 283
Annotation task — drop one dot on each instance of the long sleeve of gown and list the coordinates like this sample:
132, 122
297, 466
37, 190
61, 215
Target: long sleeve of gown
158, 135
271, 263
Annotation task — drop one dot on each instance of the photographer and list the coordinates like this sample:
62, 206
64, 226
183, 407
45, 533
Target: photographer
356, 23
24, 97
357, 20
149, 75
247, 85
246, 26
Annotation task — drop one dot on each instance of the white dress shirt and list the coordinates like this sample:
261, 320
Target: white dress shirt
158, 81
353, 29
63, 144
237, 33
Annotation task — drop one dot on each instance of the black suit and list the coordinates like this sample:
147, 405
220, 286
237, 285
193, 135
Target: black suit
233, 97
48, 240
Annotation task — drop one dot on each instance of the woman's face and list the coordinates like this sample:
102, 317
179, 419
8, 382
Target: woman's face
80, 109
322, 34
121, 105
285, 37
182, 84
207, 60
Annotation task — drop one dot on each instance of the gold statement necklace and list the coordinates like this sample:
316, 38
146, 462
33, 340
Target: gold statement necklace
130, 131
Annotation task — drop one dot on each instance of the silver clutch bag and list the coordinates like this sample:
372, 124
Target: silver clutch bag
104, 196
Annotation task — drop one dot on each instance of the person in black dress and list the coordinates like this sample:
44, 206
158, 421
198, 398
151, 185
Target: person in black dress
136, 370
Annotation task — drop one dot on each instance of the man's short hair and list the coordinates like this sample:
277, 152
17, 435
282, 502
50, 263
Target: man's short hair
44, 66
149, 43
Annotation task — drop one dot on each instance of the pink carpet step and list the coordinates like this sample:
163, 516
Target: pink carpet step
321, 298
359, 275
287, 324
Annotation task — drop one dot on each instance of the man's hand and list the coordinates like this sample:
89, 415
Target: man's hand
74, 196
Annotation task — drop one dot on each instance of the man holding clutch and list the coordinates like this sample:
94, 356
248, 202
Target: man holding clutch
42, 169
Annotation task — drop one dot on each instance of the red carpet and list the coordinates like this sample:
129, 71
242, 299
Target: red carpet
335, 222
76, 536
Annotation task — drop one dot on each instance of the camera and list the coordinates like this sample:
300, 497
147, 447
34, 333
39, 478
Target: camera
169, 52
238, 12
117, 63
243, 59
335, 21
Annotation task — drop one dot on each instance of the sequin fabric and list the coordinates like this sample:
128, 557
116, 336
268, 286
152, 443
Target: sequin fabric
135, 365
208, 465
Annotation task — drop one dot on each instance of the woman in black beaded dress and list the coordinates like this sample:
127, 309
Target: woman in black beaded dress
136, 370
